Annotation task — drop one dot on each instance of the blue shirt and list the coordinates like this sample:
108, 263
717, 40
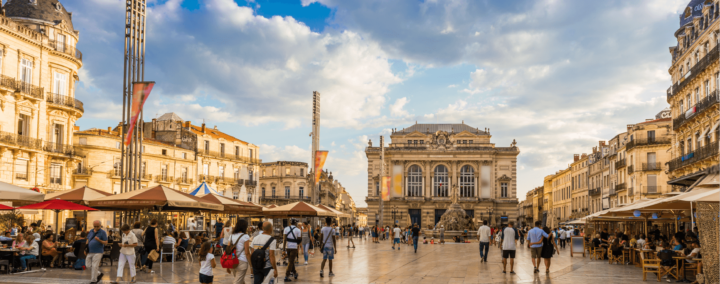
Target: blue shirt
535, 235
94, 246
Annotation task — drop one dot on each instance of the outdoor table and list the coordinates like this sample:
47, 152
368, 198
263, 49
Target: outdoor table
12, 257
63, 250
678, 261
629, 252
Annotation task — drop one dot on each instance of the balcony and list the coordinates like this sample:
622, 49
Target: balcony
83, 171
28, 89
59, 148
704, 104
648, 142
20, 141
620, 164
164, 178
184, 180
416, 146
65, 101
291, 197
653, 189
64, 48
223, 155
704, 152
594, 191
630, 169
250, 183
147, 177
631, 191
646, 167
620, 187
698, 68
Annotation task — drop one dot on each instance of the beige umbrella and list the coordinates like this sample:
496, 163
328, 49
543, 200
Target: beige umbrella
81, 195
231, 205
19, 196
161, 197
298, 209
334, 211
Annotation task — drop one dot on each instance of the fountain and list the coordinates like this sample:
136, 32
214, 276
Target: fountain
455, 220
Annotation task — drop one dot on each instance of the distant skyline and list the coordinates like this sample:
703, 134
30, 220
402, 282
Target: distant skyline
556, 76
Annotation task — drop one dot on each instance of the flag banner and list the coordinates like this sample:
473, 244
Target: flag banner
385, 188
140, 93
320, 157
397, 180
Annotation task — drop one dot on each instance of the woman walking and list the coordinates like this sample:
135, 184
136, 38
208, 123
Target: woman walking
548, 249
138, 232
128, 243
241, 240
306, 239
152, 242
350, 236
225, 234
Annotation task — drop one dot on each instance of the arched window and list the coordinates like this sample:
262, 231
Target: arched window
414, 181
440, 181
467, 181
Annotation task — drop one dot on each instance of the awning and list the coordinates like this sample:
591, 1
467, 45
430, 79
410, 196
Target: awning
298, 209
79, 195
19, 195
688, 180
155, 197
715, 126
203, 189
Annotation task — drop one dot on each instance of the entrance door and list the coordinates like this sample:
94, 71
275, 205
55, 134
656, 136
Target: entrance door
438, 214
415, 217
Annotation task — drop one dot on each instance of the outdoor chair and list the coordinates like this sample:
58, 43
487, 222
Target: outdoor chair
6, 264
114, 254
597, 253
650, 266
616, 259
167, 249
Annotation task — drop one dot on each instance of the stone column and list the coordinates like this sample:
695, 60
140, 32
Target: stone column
477, 182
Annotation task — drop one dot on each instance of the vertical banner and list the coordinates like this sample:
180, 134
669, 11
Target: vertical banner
140, 93
397, 180
320, 157
385, 187
485, 181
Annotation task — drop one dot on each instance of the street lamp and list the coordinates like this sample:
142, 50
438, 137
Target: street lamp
490, 213
395, 212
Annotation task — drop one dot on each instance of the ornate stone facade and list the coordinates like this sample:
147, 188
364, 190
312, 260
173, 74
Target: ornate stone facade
284, 182
432, 158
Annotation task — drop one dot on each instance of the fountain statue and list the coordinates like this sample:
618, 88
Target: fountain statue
455, 220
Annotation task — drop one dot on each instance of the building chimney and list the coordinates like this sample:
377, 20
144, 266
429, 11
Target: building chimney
602, 143
203, 127
576, 157
187, 124
215, 127
109, 129
584, 155
629, 127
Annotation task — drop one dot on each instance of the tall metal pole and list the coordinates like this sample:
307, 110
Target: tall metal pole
133, 71
315, 142
382, 174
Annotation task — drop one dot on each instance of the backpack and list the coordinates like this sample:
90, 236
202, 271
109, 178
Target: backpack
295, 239
229, 258
79, 264
257, 259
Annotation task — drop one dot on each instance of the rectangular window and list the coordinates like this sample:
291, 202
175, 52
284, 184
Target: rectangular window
221, 171
237, 174
302, 172
249, 197
26, 71
422, 142
142, 169
651, 136
503, 189
302, 192
652, 184
184, 155
60, 84
142, 150
251, 153
470, 141
207, 146
273, 192
287, 192
237, 151
184, 175
287, 171
164, 152
117, 145
205, 169
164, 172
60, 43
222, 149
23, 125
707, 88
56, 174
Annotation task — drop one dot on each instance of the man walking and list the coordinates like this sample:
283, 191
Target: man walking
327, 237
484, 234
509, 238
415, 235
561, 236
535, 236
218, 227
292, 236
96, 241
262, 239
396, 236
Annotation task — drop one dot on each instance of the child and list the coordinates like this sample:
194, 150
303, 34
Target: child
207, 263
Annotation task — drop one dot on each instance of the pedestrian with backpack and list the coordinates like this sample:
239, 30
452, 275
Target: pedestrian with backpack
292, 236
263, 255
234, 258
327, 235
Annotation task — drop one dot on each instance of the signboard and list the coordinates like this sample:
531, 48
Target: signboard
71, 223
385, 187
397, 180
199, 223
577, 245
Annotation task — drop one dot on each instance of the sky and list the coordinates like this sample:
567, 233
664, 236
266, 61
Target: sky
557, 76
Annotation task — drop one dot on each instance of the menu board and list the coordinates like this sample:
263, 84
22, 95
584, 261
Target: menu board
71, 223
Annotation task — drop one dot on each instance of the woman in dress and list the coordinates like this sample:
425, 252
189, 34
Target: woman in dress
50, 250
306, 239
549, 248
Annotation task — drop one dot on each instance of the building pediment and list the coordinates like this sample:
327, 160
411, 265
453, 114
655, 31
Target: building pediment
504, 178
415, 134
465, 133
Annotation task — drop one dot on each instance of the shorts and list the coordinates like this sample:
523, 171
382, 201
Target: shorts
328, 253
396, 240
535, 252
206, 279
508, 253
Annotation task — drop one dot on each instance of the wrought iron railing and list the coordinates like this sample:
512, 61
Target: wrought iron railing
20, 140
620, 187
651, 166
645, 141
631, 169
22, 176
620, 163
55, 180
63, 47
595, 191
29, 89
695, 156
7, 82
59, 148
216, 154
63, 100
250, 183
700, 107
285, 197
710, 57
81, 171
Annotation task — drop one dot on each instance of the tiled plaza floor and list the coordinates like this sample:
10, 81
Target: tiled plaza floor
378, 263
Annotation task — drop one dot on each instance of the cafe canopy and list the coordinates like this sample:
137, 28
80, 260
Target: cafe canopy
81, 195
298, 209
18, 195
231, 205
203, 189
157, 197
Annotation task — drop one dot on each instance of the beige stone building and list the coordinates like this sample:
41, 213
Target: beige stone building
693, 96
561, 194
597, 166
579, 191
617, 167
346, 204
647, 152
431, 159
284, 182
176, 154
39, 66
362, 216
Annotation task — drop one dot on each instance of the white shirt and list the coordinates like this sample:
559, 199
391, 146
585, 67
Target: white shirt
693, 253
508, 239
129, 239
206, 266
35, 249
240, 247
259, 241
641, 243
169, 240
227, 231
484, 234
561, 234
568, 234
296, 234
397, 232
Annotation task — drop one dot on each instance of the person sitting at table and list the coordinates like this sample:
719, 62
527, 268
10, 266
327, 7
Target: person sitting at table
666, 255
616, 247
633, 241
168, 239
61, 236
641, 241
678, 245
5, 237
18, 243
76, 247
181, 246
32, 250
596, 241
50, 250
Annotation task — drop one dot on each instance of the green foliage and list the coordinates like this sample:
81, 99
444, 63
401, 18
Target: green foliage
9, 218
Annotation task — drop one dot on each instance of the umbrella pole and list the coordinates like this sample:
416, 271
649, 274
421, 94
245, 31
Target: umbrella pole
692, 217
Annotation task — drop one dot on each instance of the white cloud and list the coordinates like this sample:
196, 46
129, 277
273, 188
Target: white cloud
396, 109
272, 153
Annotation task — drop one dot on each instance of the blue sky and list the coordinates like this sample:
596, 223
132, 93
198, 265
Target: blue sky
557, 76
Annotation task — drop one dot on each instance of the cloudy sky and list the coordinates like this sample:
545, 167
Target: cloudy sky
557, 76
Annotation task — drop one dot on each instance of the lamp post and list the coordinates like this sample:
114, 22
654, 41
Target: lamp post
490, 213
395, 212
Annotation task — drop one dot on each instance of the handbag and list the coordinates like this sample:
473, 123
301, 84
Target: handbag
153, 255
229, 258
